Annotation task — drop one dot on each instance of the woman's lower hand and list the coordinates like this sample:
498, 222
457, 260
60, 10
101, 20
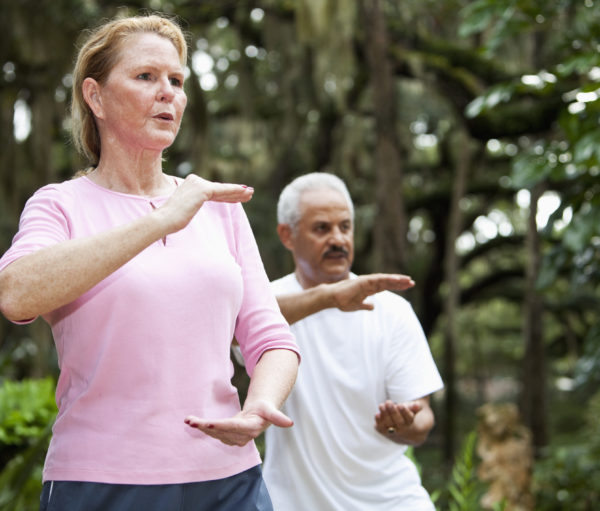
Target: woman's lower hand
244, 426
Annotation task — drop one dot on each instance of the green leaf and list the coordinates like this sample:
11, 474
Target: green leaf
475, 107
582, 228
587, 147
26, 408
492, 98
529, 169
477, 17
547, 276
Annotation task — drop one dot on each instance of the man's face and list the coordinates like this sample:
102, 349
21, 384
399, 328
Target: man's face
322, 243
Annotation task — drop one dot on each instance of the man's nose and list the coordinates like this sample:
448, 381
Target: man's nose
336, 237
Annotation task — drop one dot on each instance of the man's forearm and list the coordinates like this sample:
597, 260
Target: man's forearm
347, 295
297, 306
418, 431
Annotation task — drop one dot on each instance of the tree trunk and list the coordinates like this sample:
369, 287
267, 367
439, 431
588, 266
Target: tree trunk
462, 163
390, 226
533, 393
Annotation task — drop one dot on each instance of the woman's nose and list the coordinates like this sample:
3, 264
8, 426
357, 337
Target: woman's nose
166, 91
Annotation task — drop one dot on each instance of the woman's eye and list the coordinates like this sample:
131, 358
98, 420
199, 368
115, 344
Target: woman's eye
144, 76
176, 82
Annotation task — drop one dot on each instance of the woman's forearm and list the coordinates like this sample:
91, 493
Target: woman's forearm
54, 276
273, 377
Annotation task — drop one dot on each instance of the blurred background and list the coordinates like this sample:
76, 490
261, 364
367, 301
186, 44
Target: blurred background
468, 134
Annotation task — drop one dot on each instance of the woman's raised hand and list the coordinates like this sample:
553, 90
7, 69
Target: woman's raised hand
189, 197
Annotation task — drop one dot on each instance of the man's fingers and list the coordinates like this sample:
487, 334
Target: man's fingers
378, 282
415, 407
407, 416
398, 282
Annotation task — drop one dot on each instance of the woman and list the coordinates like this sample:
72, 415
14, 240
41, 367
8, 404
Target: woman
145, 279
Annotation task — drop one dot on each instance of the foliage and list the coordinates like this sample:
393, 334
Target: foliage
565, 159
26, 408
27, 411
568, 477
463, 484
21, 478
587, 369
463, 491
291, 92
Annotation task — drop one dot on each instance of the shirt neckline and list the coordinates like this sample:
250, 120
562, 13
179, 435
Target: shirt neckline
130, 195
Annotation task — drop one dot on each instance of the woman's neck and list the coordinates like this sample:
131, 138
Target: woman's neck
136, 176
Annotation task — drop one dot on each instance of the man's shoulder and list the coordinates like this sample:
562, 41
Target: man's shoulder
286, 284
390, 299
394, 311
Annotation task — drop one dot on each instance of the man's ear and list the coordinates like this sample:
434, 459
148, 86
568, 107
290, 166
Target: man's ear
285, 235
91, 94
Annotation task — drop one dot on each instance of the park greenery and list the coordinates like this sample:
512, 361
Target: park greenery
468, 133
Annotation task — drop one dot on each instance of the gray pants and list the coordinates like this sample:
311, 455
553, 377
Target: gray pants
241, 492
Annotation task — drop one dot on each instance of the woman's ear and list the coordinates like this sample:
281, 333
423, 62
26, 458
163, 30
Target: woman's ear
92, 96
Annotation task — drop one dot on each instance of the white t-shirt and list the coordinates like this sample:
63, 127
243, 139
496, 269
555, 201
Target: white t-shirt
333, 458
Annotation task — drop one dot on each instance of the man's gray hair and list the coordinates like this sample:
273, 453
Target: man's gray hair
288, 210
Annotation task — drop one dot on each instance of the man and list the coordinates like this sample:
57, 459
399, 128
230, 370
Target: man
362, 392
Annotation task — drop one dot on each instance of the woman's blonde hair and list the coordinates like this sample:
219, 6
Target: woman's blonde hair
98, 56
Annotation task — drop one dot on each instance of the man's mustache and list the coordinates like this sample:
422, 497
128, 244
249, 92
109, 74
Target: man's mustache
336, 251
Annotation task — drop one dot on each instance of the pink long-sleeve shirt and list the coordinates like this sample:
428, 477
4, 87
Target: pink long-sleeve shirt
150, 344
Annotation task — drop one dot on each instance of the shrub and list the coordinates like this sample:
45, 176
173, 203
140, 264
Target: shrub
568, 477
27, 411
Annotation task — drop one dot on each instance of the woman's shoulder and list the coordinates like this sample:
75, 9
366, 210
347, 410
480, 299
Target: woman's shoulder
60, 190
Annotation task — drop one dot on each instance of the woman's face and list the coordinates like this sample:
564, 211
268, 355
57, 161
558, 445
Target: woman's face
142, 101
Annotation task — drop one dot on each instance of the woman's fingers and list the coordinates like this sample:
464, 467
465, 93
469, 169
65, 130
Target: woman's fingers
226, 192
189, 197
244, 426
200, 190
278, 418
229, 431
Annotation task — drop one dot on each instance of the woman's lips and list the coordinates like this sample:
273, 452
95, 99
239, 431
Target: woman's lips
164, 117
